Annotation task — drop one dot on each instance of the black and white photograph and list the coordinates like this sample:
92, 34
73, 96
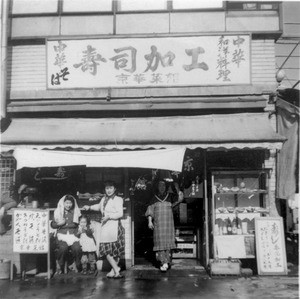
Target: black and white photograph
149, 149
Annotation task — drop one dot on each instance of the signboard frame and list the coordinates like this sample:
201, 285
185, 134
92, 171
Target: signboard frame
68, 69
258, 223
46, 251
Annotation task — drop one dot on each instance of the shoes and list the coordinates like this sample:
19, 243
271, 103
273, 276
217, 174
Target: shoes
164, 267
118, 276
84, 272
59, 272
110, 274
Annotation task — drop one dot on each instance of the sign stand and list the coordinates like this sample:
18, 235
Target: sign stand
30, 235
270, 246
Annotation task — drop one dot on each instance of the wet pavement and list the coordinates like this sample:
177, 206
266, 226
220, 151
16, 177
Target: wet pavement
141, 283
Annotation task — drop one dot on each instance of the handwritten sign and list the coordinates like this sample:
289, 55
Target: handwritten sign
30, 231
270, 246
141, 62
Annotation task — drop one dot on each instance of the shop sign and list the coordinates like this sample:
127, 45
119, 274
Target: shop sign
148, 62
30, 231
270, 246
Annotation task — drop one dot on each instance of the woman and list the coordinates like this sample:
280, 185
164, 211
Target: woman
66, 218
163, 227
112, 241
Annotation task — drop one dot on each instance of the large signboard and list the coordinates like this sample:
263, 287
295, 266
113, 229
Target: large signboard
270, 246
148, 62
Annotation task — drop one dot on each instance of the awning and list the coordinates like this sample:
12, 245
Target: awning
219, 131
169, 159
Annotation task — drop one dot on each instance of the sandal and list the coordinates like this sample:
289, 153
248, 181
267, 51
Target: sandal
118, 276
110, 274
164, 268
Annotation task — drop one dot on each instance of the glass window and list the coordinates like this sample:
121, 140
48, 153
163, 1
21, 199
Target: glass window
87, 5
197, 4
249, 6
34, 6
140, 5
7, 166
268, 6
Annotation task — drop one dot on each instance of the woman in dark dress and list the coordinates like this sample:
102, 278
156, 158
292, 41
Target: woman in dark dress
160, 220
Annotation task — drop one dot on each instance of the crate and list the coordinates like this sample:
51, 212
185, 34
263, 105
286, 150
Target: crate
185, 250
225, 267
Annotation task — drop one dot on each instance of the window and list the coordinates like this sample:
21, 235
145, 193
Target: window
34, 6
197, 4
142, 5
87, 5
7, 168
252, 6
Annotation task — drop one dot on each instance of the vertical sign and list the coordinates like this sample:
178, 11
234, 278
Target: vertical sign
270, 246
31, 233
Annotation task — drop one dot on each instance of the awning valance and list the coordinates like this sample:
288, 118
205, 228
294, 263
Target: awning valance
169, 159
228, 131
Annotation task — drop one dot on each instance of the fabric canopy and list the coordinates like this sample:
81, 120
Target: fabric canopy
287, 162
219, 131
169, 159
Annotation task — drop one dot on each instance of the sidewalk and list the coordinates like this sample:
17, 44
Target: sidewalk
140, 283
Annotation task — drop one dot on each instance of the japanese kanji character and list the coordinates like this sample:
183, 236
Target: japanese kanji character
195, 55
155, 57
90, 60
121, 60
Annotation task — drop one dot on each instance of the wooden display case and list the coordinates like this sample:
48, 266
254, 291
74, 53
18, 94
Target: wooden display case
238, 197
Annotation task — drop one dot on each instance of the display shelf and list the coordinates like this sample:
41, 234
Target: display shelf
241, 192
238, 197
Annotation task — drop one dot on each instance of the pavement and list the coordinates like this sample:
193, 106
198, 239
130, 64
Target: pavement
148, 282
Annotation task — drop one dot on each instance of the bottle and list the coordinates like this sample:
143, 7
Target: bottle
224, 229
193, 188
197, 183
239, 230
234, 228
229, 229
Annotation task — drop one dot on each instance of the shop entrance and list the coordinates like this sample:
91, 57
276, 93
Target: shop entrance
189, 230
189, 216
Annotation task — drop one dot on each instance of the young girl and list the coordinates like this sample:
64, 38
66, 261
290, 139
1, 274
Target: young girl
88, 245
66, 217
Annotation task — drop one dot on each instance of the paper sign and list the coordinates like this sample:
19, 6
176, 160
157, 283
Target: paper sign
30, 231
270, 246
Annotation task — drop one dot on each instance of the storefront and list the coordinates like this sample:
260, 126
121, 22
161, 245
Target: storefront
205, 164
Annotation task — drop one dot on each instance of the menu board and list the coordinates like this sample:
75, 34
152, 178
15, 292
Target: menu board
270, 246
30, 231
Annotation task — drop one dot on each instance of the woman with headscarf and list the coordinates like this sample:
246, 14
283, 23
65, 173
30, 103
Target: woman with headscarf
66, 218
161, 221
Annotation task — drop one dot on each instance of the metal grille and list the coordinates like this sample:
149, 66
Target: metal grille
7, 168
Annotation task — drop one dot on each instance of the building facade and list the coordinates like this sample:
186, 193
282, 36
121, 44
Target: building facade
132, 76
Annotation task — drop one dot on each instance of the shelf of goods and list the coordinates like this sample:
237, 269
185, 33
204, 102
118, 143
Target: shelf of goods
238, 198
185, 243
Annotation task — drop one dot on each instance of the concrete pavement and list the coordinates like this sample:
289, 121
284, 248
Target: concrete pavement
141, 283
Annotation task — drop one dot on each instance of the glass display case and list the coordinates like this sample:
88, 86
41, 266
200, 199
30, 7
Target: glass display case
238, 197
